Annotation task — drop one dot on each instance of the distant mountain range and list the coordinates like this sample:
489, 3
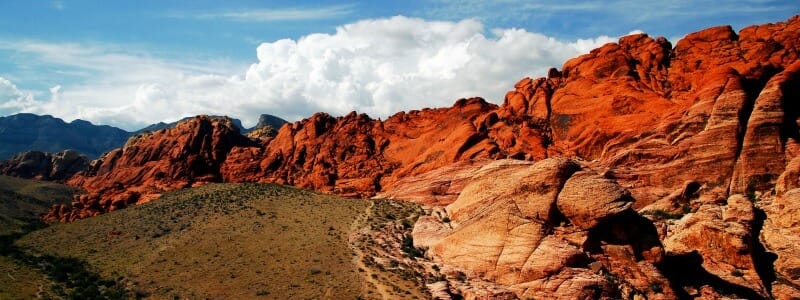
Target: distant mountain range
26, 132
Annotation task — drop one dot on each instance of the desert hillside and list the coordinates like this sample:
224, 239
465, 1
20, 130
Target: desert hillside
234, 241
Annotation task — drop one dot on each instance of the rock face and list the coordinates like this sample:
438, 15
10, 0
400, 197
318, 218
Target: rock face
358, 156
45, 166
781, 236
722, 236
526, 226
186, 155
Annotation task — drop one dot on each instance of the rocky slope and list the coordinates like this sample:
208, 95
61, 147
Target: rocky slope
27, 132
692, 132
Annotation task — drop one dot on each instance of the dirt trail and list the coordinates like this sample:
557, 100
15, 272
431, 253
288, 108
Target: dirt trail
355, 228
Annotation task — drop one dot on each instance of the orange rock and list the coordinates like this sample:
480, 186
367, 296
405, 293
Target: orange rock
588, 199
772, 125
723, 237
781, 236
151, 163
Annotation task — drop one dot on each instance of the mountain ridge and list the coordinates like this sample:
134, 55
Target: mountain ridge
25, 132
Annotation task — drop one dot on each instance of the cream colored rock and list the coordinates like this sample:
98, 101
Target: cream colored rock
550, 257
428, 230
439, 187
781, 235
569, 283
588, 199
637, 275
477, 245
439, 290
790, 178
531, 187
507, 228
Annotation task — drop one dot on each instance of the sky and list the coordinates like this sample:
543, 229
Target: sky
133, 63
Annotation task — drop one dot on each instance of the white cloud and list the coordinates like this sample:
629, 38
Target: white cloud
272, 15
374, 66
13, 99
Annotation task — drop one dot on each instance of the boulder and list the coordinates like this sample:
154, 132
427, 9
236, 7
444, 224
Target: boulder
588, 199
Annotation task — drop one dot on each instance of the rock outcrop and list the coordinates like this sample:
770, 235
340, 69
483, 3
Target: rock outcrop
526, 226
722, 236
188, 154
358, 156
781, 237
45, 166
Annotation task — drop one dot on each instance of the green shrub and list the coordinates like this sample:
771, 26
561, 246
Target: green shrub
656, 287
408, 247
661, 214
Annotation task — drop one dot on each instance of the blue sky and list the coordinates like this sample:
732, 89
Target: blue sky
138, 62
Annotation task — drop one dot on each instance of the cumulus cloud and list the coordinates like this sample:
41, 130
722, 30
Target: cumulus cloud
378, 66
13, 99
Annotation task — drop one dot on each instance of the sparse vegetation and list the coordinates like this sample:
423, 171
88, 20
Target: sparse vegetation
737, 273
217, 240
662, 214
408, 247
656, 287
751, 195
686, 209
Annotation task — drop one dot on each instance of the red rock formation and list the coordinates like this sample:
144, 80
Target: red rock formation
355, 155
643, 110
186, 155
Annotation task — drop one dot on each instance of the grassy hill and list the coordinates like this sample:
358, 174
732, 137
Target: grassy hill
22, 202
232, 241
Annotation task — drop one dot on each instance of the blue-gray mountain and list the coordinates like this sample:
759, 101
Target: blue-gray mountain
26, 132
